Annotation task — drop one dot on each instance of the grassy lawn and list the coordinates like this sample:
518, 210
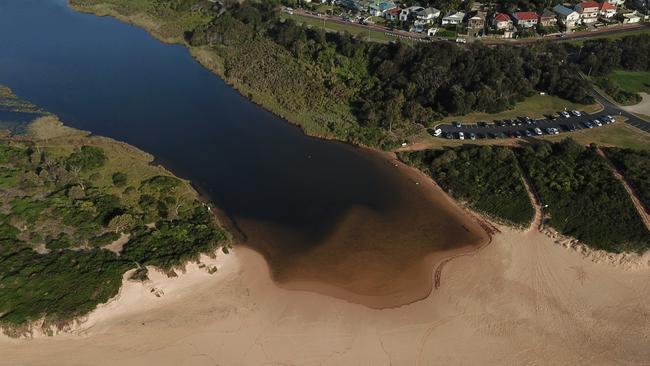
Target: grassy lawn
631, 32
534, 107
372, 35
632, 81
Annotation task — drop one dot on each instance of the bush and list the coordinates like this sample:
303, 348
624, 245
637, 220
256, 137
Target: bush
87, 158
486, 177
584, 198
119, 179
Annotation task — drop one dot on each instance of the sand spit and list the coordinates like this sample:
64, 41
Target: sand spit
522, 300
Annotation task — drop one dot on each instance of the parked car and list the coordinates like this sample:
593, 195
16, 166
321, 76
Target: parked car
538, 131
576, 113
597, 122
528, 133
588, 124
472, 136
572, 127
437, 132
565, 114
461, 136
455, 124
517, 134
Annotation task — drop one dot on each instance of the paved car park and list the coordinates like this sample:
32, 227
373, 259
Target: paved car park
563, 121
522, 126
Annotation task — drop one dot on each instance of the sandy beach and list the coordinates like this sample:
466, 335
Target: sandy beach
522, 300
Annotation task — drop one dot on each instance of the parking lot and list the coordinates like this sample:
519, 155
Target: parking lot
523, 126
506, 128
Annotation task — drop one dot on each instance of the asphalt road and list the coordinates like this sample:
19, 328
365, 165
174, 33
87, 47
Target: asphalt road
613, 109
490, 129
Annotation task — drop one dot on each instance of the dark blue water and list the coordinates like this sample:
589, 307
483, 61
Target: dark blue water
287, 192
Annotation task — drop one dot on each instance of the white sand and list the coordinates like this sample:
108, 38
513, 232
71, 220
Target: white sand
523, 300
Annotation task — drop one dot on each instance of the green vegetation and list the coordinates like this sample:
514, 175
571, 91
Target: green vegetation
621, 66
64, 200
486, 177
635, 167
536, 106
631, 81
584, 198
619, 95
361, 32
348, 89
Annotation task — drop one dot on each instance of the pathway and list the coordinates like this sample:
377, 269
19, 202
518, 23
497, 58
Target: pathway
635, 199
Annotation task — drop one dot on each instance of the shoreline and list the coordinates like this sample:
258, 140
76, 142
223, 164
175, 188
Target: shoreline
506, 296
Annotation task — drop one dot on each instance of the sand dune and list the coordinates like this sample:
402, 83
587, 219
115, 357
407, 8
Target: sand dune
522, 300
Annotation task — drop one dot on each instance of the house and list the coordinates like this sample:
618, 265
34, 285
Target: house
548, 18
588, 11
428, 15
607, 10
409, 12
393, 14
569, 18
477, 21
525, 19
453, 18
379, 8
632, 17
352, 4
501, 21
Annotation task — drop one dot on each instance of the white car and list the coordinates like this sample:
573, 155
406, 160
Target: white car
461, 136
538, 131
576, 113
565, 114
597, 123
437, 132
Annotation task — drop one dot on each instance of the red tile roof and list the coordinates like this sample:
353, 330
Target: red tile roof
525, 15
607, 6
589, 4
501, 17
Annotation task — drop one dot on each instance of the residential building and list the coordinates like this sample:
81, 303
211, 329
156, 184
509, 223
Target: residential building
379, 8
477, 21
568, 17
428, 15
588, 11
409, 13
607, 10
548, 18
501, 21
393, 14
525, 19
632, 17
352, 4
453, 18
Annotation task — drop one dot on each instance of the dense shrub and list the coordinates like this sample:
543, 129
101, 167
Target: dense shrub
635, 166
584, 198
486, 177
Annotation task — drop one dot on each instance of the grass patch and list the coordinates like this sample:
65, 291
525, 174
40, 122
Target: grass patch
632, 81
535, 106
356, 30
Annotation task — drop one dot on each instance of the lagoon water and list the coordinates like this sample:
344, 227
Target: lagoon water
317, 210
